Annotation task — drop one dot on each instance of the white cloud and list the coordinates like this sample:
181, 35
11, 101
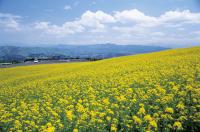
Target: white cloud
66, 28
99, 16
170, 18
94, 21
196, 33
180, 17
134, 15
9, 21
42, 25
133, 25
130, 29
126, 21
67, 7
137, 21
158, 34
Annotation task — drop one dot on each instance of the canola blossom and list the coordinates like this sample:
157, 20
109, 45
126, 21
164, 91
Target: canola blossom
148, 92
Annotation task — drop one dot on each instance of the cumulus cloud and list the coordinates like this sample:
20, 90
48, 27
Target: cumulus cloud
96, 17
170, 18
96, 20
127, 26
180, 16
158, 34
42, 25
66, 28
67, 7
93, 20
134, 15
138, 22
122, 21
9, 21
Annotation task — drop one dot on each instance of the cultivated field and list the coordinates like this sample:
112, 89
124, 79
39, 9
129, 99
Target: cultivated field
148, 92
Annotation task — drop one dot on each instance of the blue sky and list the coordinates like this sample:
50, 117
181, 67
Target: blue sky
147, 22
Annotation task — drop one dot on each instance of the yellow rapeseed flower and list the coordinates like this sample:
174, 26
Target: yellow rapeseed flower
75, 130
180, 106
141, 111
177, 125
137, 120
169, 110
153, 124
108, 118
98, 94
113, 128
147, 118
50, 129
69, 114
106, 101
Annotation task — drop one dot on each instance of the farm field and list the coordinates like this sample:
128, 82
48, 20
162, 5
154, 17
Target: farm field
148, 92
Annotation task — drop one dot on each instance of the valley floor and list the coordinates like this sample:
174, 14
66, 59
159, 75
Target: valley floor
38, 63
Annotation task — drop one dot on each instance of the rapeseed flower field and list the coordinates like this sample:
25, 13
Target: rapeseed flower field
148, 92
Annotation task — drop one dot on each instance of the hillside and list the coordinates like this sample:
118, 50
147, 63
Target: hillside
155, 91
10, 53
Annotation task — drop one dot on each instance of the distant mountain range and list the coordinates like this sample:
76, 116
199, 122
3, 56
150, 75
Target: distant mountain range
10, 53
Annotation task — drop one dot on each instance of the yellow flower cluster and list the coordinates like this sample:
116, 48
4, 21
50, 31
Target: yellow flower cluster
169, 110
148, 92
177, 125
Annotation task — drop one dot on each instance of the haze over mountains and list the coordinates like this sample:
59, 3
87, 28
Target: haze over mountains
99, 51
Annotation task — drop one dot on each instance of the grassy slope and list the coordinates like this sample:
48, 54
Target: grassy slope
179, 66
